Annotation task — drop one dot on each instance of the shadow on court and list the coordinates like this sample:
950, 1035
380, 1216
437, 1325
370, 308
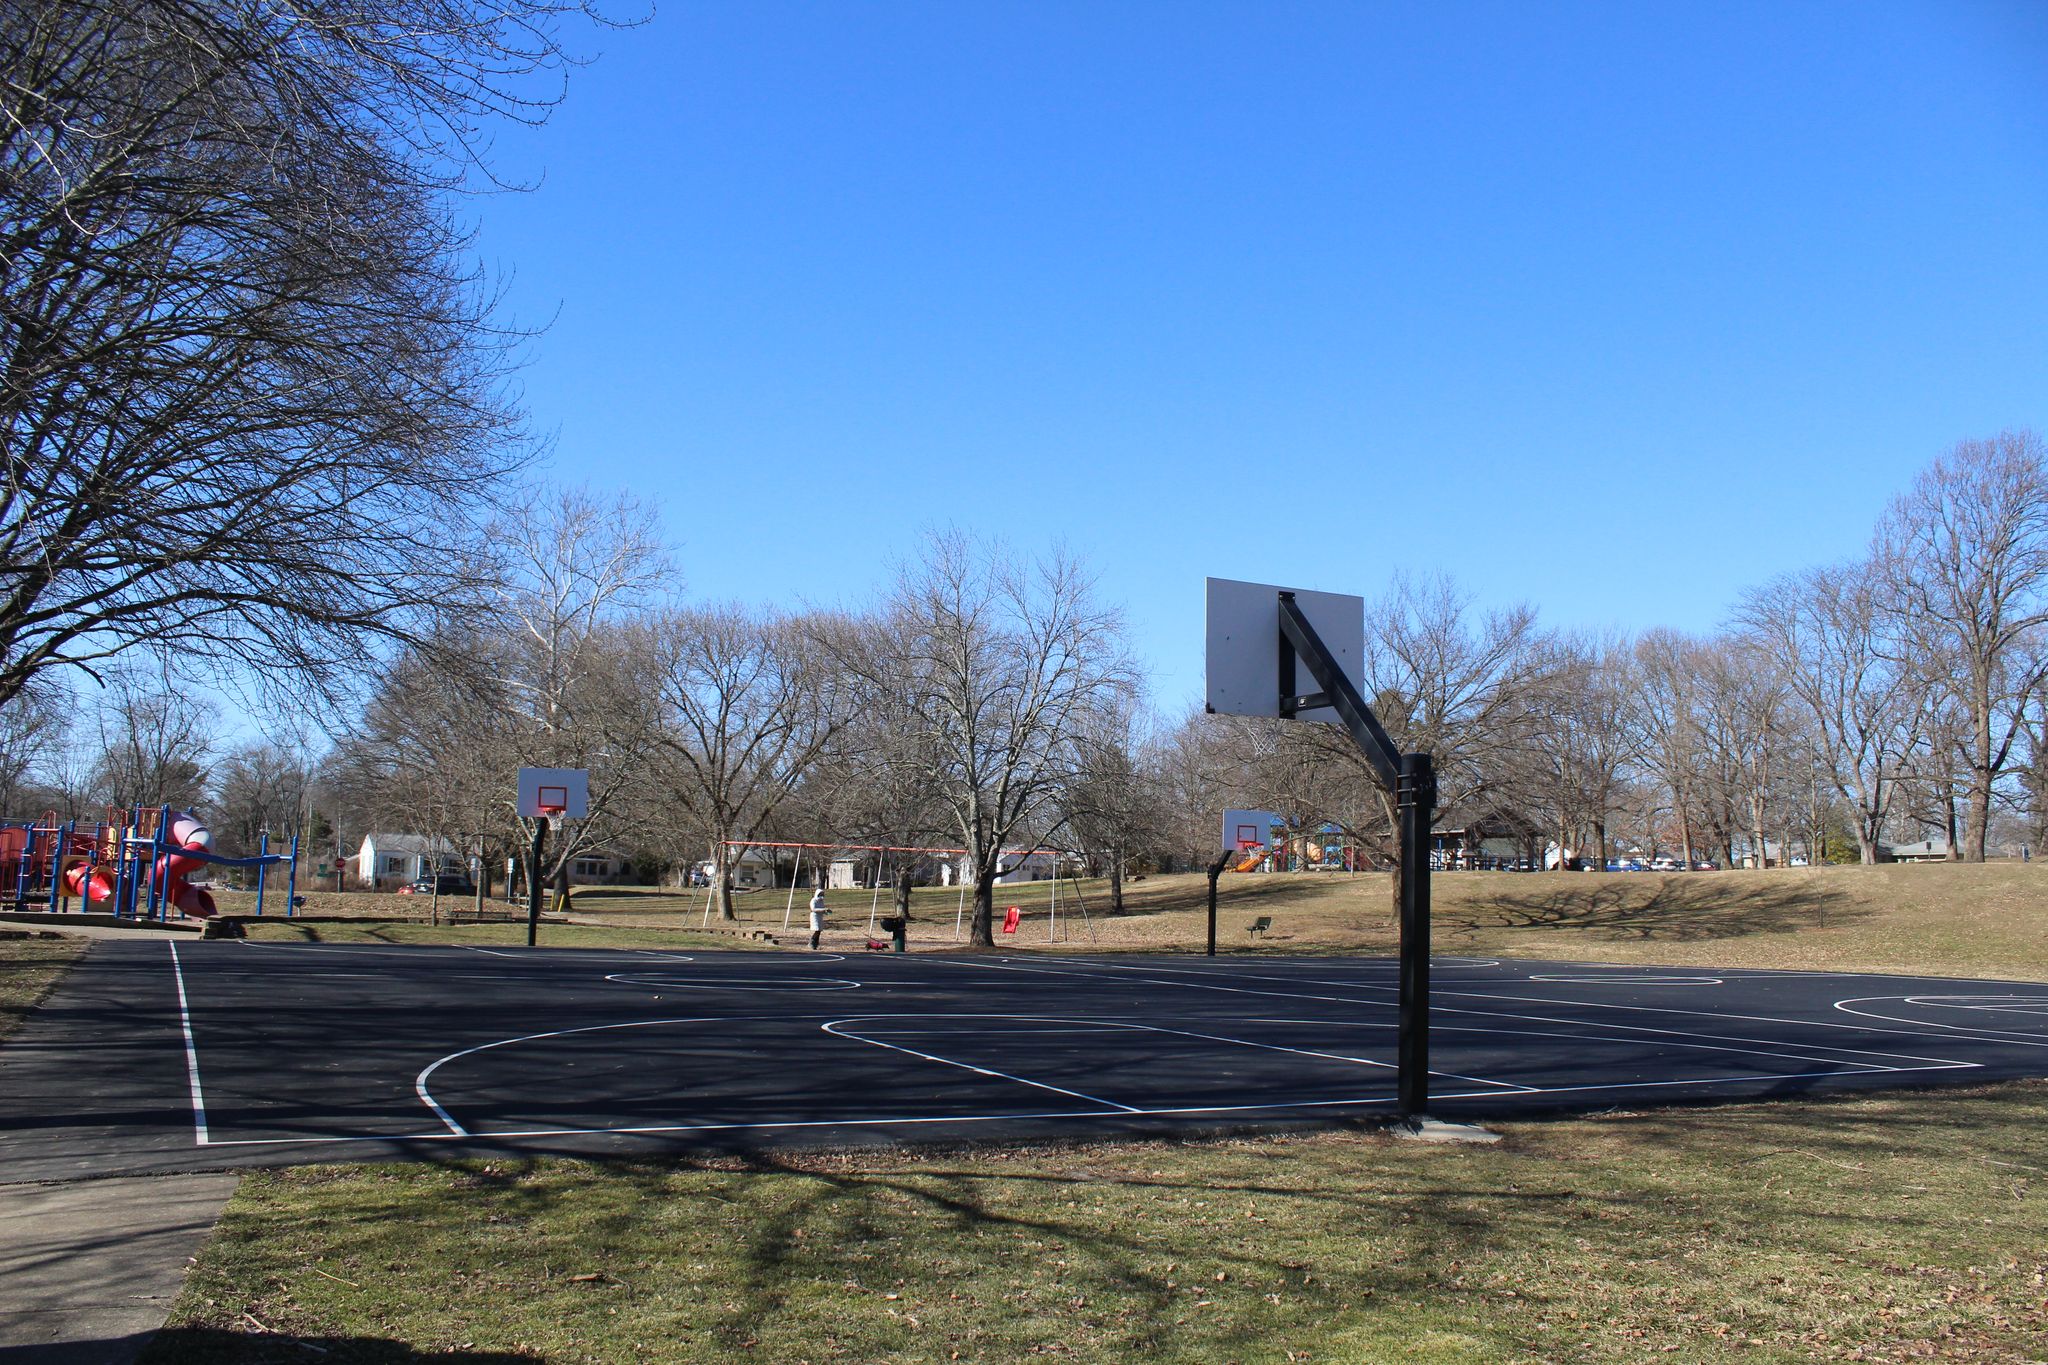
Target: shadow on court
193, 1345
1667, 909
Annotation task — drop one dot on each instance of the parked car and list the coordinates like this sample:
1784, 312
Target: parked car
450, 884
1667, 865
1705, 867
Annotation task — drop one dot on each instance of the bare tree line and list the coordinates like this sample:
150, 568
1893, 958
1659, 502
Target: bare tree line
986, 701
1842, 707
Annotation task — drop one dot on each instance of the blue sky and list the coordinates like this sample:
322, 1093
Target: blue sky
1612, 309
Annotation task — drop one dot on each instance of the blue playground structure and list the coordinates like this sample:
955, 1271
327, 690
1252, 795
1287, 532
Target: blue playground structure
133, 865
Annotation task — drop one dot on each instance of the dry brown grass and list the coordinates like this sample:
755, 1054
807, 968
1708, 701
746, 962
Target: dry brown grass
1941, 919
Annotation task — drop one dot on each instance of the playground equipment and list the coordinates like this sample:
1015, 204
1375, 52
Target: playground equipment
883, 854
137, 863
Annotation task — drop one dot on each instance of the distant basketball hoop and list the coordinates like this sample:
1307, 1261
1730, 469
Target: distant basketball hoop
547, 796
554, 792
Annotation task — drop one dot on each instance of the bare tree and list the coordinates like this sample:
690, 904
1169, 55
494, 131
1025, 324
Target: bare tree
749, 703
1196, 773
1113, 804
1742, 698
251, 391
1845, 658
555, 676
1665, 718
34, 731
579, 572
1003, 663
259, 789
155, 744
1582, 744
1457, 687
1964, 556
429, 756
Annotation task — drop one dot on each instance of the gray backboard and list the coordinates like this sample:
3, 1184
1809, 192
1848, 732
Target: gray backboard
1244, 644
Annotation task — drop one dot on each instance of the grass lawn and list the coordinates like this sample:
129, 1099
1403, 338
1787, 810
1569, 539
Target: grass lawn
28, 968
1989, 919
1889, 1228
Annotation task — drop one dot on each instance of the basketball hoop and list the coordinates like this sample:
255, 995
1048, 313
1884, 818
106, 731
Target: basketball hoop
549, 794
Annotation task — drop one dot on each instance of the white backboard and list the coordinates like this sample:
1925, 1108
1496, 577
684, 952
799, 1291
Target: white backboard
568, 788
1244, 645
1245, 829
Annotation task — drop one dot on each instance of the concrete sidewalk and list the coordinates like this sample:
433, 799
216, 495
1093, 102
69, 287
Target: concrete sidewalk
88, 1270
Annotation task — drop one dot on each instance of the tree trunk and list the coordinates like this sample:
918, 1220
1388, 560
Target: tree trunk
903, 895
721, 880
981, 934
1116, 881
1977, 830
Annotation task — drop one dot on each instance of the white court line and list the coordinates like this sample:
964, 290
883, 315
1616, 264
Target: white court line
419, 1084
1980, 1032
832, 1027
1436, 1008
657, 1129
538, 955
259, 946
795, 985
191, 1049
1583, 980
456, 1130
1750, 1048
1104, 1024
882, 1121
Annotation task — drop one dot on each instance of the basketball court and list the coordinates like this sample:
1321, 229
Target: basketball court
156, 1056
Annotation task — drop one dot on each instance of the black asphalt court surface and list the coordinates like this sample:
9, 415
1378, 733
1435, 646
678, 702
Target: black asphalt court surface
158, 1056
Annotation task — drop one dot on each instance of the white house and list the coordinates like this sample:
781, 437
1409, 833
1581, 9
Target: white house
387, 861
750, 867
1039, 865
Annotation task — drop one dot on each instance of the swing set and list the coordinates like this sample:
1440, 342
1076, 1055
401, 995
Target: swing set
903, 852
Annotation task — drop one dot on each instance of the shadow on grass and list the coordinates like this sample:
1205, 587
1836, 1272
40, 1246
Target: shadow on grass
1619, 906
1107, 1249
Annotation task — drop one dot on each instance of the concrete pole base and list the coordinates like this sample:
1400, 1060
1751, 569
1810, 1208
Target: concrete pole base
1423, 1128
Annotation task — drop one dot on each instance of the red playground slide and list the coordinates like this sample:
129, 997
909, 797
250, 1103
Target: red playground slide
184, 832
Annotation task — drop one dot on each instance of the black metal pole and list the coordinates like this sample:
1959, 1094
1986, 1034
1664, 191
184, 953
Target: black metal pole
1215, 871
540, 838
1412, 778
1416, 799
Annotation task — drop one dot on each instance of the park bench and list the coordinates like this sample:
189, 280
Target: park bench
1259, 926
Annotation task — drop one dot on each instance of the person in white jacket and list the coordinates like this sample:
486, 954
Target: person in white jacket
817, 916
